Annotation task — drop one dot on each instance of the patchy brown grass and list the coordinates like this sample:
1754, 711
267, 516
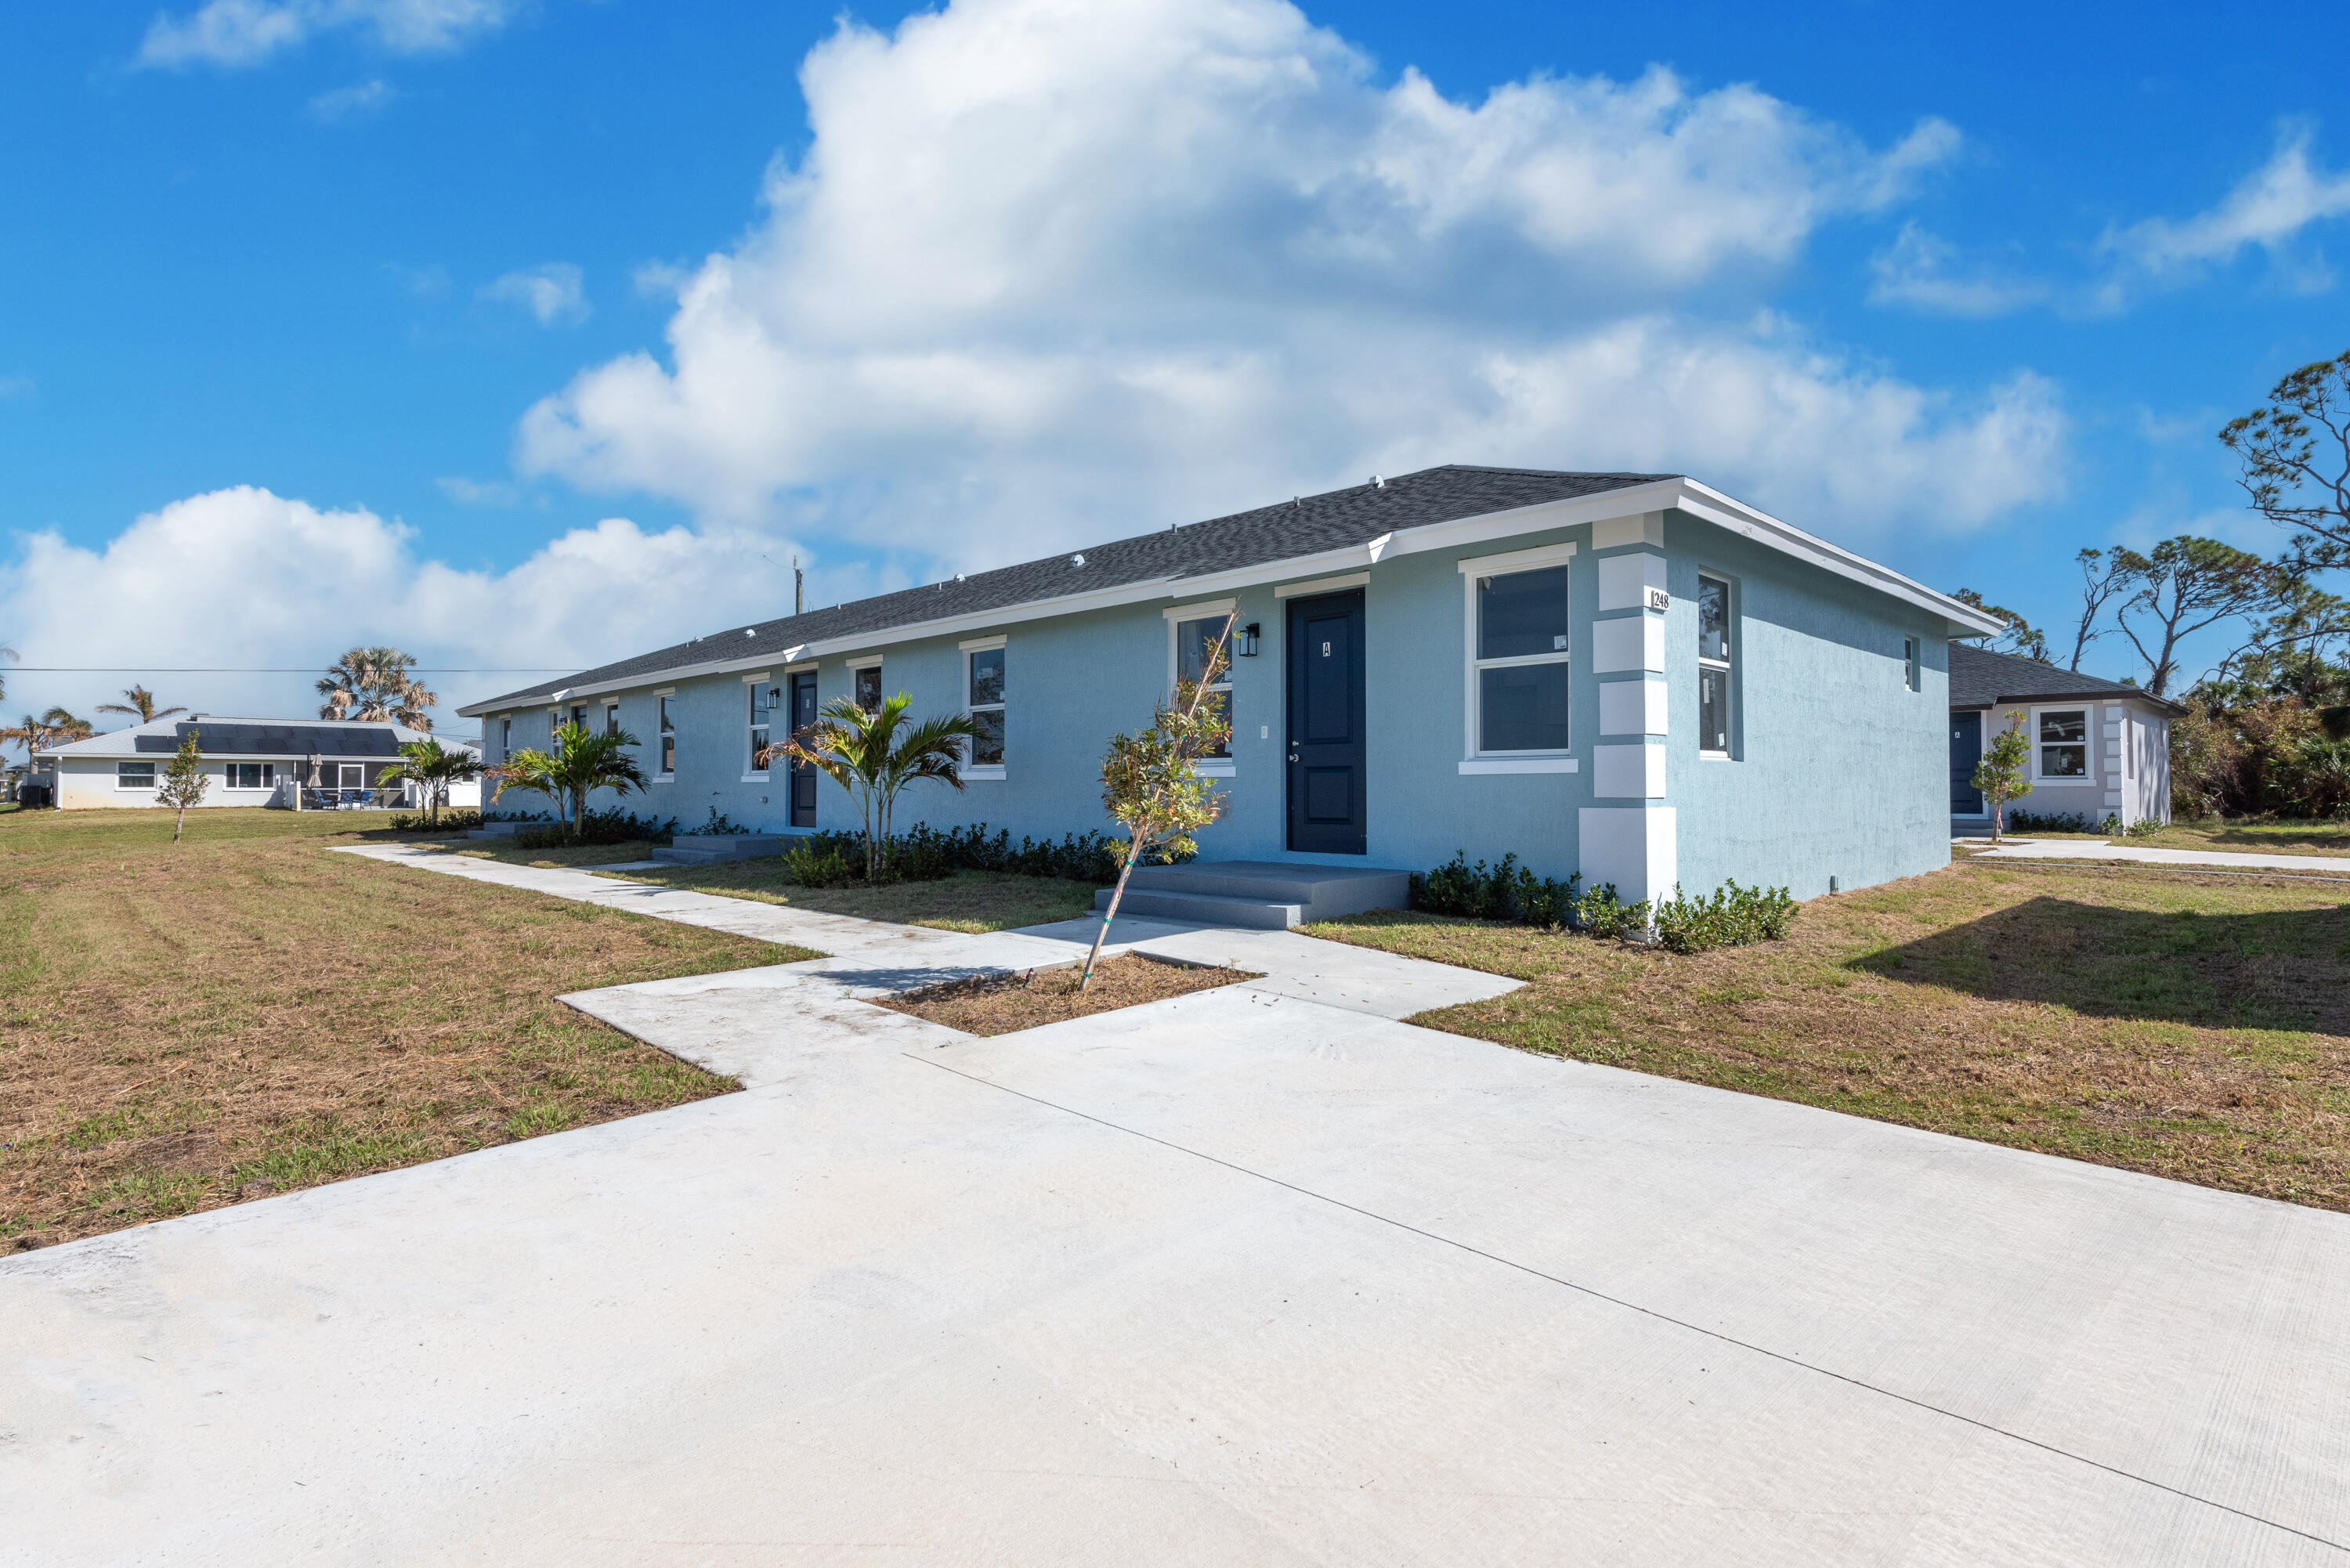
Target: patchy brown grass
965, 901
181, 1028
1003, 1005
2192, 1027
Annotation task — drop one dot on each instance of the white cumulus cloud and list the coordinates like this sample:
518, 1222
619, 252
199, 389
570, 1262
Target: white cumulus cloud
250, 579
2269, 210
235, 33
555, 293
1050, 272
1925, 272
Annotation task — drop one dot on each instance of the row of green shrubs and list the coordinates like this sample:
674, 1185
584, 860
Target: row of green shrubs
926, 854
1732, 916
613, 826
2078, 822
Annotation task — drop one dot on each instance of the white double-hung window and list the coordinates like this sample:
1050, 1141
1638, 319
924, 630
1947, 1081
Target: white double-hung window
1198, 631
1714, 669
764, 701
1518, 662
2064, 742
984, 702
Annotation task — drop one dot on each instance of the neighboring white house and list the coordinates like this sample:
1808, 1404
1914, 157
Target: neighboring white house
2099, 748
293, 764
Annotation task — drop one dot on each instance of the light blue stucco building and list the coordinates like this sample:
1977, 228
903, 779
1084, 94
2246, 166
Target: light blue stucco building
1630, 676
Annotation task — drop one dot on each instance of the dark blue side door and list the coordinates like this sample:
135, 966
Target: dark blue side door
803, 776
1966, 750
1328, 805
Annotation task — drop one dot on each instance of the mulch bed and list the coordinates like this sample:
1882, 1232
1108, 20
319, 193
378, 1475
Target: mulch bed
1004, 1004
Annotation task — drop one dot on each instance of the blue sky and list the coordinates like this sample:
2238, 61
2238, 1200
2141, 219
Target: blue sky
525, 335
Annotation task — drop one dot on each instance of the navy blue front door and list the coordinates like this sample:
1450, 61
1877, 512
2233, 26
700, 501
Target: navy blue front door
803, 776
1329, 807
1966, 750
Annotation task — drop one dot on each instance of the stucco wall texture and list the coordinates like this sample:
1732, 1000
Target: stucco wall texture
1837, 769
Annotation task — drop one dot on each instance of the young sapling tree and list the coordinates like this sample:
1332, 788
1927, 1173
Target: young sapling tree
183, 782
1150, 782
2001, 775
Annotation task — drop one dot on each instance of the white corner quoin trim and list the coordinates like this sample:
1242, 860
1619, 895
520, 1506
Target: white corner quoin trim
1630, 643
1633, 515
1626, 582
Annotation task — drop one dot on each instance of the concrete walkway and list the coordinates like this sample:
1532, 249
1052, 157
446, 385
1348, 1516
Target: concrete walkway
2083, 849
1240, 1277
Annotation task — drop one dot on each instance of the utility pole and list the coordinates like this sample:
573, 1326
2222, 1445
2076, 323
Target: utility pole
798, 583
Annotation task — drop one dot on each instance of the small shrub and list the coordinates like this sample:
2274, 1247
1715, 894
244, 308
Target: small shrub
489, 816
452, 820
2055, 822
719, 823
1733, 917
614, 826
822, 860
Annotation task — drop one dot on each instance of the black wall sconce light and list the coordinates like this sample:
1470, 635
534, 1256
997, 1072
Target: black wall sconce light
1244, 641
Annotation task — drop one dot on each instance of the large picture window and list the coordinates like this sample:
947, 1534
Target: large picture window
986, 705
1714, 667
1521, 658
2064, 742
668, 738
249, 775
134, 775
1195, 644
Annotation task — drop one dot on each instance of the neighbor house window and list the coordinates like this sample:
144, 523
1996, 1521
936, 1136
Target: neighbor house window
1916, 677
250, 776
1521, 661
1195, 642
505, 736
985, 704
762, 708
668, 738
134, 775
869, 688
2064, 743
1713, 666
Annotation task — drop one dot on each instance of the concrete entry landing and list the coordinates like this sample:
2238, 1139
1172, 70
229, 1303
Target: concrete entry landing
1260, 895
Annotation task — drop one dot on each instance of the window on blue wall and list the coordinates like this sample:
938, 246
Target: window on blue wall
985, 706
668, 738
1522, 661
1713, 667
763, 705
1196, 642
1915, 675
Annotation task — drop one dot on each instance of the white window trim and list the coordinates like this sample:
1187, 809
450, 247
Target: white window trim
154, 779
1471, 568
1728, 667
268, 779
751, 684
1208, 767
967, 647
2088, 712
1323, 586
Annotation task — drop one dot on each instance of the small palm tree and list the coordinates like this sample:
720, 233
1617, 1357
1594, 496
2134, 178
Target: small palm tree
582, 761
374, 683
140, 701
432, 768
874, 756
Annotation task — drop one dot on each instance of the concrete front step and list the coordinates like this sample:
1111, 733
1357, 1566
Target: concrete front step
698, 850
1261, 895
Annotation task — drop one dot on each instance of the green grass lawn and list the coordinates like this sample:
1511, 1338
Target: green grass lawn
966, 901
245, 1012
2193, 1027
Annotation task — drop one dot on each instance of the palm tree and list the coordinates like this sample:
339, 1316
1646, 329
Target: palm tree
140, 701
62, 727
374, 683
874, 756
433, 767
583, 762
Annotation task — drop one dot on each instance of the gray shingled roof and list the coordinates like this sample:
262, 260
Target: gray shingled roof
1308, 525
1982, 679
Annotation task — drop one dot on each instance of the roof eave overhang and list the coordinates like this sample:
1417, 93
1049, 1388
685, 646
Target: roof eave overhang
1679, 493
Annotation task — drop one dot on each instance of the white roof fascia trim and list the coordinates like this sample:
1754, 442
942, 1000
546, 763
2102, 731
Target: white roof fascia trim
1703, 501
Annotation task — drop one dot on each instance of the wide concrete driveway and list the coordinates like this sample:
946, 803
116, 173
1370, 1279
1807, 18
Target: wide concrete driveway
1245, 1277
